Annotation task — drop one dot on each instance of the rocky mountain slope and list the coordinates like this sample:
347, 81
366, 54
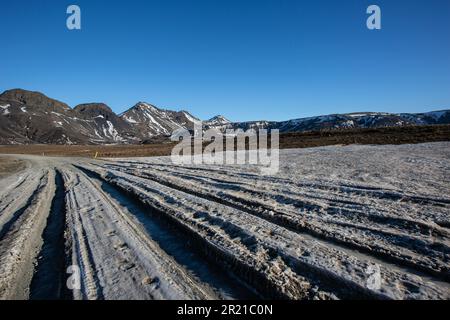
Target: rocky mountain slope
106, 125
28, 117
339, 121
151, 121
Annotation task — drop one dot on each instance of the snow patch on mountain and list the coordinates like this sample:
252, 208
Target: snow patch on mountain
130, 120
190, 118
5, 109
111, 132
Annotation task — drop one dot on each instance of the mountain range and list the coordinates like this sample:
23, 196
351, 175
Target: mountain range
28, 117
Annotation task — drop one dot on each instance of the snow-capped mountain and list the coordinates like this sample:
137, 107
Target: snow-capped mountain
346, 121
31, 117
217, 121
361, 120
152, 121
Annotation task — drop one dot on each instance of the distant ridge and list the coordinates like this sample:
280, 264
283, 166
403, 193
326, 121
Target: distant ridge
28, 117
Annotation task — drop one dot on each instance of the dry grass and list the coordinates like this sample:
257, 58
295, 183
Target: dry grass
90, 150
393, 135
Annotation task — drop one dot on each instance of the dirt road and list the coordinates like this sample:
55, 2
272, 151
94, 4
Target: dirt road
335, 223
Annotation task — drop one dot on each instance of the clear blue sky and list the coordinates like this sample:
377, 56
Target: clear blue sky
245, 59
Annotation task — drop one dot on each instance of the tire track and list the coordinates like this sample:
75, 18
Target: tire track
17, 200
81, 253
112, 236
49, 279
170, 247
311, 198
21, 242
319, 229
372, 191
333, 280
236, 258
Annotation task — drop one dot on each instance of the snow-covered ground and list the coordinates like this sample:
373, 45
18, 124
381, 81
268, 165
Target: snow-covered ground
334, 223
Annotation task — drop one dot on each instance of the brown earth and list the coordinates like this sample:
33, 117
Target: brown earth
395, 135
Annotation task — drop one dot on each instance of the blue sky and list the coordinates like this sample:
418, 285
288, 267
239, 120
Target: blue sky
245, 59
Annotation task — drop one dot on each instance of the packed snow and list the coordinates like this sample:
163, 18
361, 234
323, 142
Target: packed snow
335, 222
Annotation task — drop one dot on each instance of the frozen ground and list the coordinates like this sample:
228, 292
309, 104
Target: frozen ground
335, 223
